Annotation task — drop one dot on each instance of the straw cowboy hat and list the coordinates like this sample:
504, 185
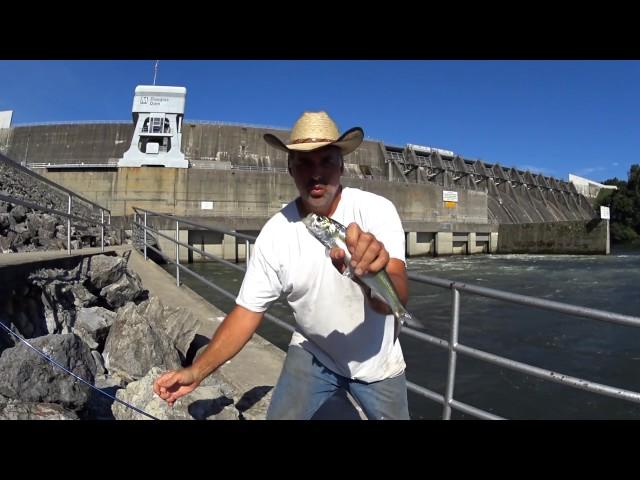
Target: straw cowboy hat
315, 130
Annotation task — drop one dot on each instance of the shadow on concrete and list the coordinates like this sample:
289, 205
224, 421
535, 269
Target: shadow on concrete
251, 397
203, 409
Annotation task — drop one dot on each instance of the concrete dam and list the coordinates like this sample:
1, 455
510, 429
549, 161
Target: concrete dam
448, 204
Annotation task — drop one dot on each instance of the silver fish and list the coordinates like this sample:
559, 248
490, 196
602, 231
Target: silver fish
333, 234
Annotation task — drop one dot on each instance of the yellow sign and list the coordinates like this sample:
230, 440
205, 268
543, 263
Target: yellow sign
450, 204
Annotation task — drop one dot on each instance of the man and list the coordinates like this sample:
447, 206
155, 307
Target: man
344, 337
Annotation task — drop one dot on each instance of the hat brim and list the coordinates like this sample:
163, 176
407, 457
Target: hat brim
347, 142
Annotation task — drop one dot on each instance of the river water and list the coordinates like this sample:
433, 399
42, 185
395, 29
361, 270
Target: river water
591, 349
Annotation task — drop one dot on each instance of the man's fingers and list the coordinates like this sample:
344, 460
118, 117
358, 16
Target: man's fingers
336, 254
379, 262
370, 254
337, 258
364, 242
166, 380
352, 235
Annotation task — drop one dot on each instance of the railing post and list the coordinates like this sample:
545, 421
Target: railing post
246, 252
133, 230
101, 230
69, 226
145, 235
177, 253
453, 343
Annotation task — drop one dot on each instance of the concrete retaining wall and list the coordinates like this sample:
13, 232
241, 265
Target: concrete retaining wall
577, 237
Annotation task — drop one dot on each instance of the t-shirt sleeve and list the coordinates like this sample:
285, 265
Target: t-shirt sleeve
261, 285
384, 222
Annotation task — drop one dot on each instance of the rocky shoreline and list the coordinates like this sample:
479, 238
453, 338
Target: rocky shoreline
23, 229
100, 323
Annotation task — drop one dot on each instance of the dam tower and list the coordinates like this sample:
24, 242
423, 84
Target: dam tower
158, 112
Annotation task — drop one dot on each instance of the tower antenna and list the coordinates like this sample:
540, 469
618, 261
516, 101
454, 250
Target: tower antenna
155, 71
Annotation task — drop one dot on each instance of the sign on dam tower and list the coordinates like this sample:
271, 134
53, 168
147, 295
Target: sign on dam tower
158, 113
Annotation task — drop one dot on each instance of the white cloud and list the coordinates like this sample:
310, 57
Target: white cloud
590, 170
534, 169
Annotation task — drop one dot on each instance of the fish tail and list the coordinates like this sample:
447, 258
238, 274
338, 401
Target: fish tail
406, 317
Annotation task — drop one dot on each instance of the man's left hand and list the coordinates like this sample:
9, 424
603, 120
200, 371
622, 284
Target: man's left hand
368, 254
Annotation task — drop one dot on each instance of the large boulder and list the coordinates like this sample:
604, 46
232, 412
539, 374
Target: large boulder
28, 377
136, 344
177, 322
212, 400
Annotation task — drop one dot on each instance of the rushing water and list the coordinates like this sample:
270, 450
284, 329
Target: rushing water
591, 349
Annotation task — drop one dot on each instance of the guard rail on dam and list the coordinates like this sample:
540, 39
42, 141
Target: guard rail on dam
232, 165
141, 225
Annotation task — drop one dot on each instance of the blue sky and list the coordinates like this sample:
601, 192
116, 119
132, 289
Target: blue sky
555, 117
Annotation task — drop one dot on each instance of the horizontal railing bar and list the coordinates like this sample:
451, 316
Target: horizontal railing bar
188, 222
476, 412
226, 293
575, 382
191, 247
530, 301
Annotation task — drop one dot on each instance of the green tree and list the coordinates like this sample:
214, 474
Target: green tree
625, 206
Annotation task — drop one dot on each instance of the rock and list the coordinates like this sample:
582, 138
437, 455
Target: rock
128, 288
92, 325
5, 221
82, 297
19, 213
136, 344
105, 270
35, 411
207, 402
26, 376
179, 323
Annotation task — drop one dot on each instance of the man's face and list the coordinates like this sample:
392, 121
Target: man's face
317, 176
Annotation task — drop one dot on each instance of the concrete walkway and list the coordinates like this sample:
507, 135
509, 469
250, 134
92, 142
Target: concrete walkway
46, 255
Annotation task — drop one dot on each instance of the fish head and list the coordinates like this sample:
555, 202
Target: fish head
321, 227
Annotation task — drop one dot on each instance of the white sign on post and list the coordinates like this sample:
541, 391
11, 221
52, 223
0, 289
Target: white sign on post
604, 213
448, 196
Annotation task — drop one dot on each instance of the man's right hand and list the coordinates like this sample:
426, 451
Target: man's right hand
170, 386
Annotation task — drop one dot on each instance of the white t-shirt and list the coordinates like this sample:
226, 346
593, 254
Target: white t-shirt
334, 322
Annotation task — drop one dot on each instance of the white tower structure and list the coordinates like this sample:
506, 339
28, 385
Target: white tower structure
157, 114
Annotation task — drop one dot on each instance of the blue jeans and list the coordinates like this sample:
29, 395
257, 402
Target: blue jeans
305, 384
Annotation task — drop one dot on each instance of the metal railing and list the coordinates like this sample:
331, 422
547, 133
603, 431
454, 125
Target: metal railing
79, 165
71, 122
451, 344
70, 196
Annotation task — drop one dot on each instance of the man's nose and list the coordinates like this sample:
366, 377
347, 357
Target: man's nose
316, 170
